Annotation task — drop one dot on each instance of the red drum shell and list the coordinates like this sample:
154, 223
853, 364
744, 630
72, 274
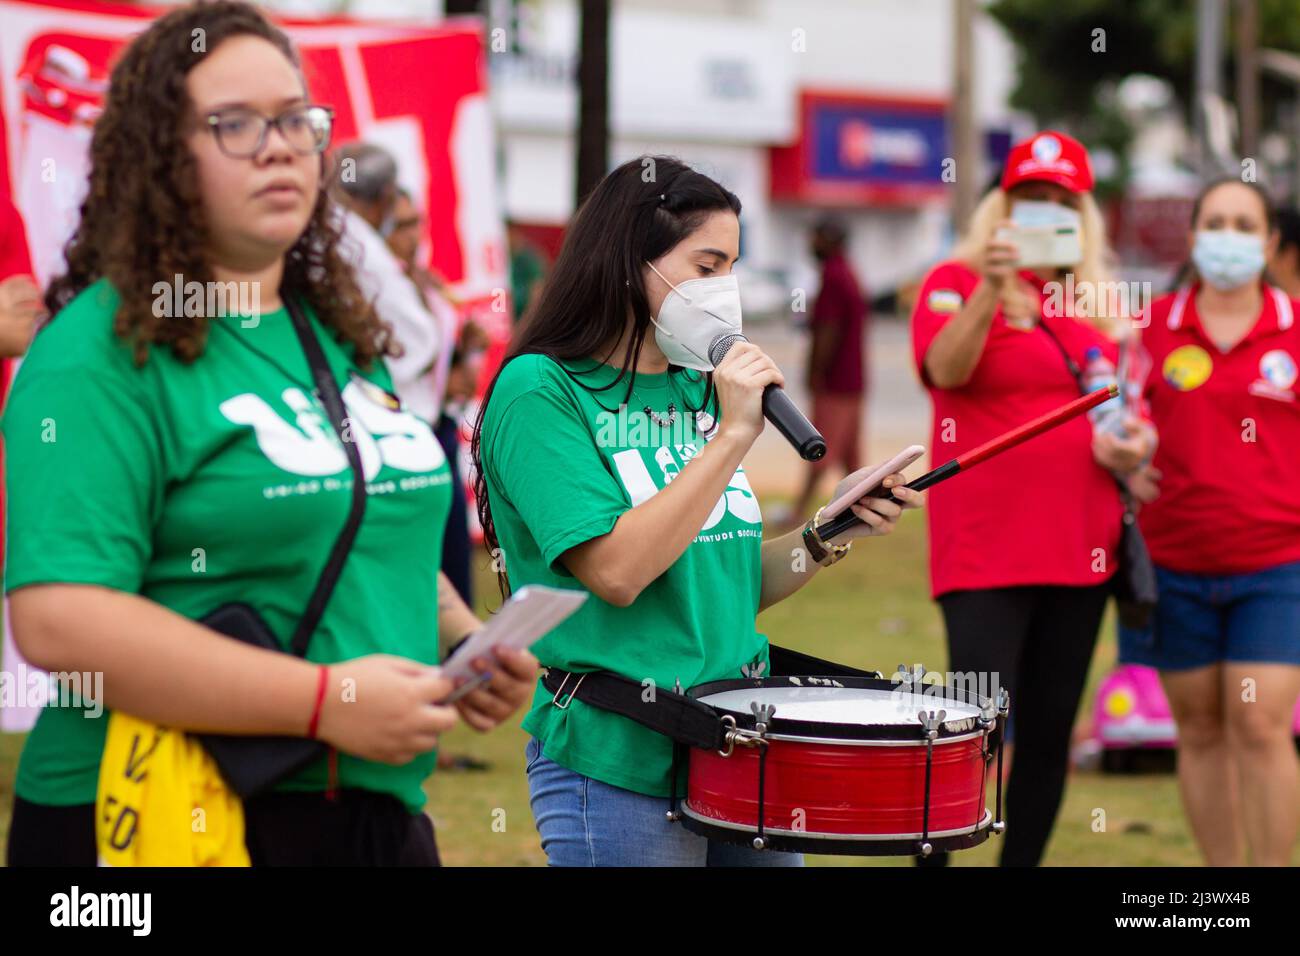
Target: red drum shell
864, 788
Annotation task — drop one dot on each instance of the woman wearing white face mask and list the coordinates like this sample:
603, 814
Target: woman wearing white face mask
608, 457
1226, 632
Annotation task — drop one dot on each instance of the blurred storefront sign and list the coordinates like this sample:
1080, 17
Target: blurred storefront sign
856, 150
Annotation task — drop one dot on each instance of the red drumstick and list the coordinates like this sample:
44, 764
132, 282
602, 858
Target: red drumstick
1021, 433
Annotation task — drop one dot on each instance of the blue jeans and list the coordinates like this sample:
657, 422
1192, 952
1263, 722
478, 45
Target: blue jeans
584, 822
1202, 619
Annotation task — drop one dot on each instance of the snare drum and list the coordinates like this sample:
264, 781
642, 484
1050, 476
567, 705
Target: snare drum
846, 765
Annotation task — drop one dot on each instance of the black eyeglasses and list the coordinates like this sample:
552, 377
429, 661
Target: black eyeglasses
241, 133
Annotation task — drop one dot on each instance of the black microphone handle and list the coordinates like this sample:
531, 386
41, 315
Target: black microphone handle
790, 422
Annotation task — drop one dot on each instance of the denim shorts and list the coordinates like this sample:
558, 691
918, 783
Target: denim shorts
584, 822
1202, 619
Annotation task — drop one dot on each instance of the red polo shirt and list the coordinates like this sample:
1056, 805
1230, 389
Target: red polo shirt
1229, 449
1044, 512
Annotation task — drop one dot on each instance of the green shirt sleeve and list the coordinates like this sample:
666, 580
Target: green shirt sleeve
83, 476
544, 461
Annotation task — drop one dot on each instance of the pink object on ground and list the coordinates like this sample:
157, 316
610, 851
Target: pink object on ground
1132, 712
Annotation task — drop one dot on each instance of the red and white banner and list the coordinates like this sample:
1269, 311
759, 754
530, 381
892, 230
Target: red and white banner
419, 90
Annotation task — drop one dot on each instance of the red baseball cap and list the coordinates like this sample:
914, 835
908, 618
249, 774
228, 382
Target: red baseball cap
1050, 156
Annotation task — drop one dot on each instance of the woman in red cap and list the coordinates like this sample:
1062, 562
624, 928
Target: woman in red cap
1022, 550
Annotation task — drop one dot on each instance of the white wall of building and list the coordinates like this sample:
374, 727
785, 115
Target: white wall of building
673, 63
716, 82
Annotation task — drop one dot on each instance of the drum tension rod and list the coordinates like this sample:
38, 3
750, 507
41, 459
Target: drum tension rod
762, 716
673, 813
930, 722
1004, 708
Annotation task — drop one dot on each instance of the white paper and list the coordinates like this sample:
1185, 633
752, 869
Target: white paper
530, 614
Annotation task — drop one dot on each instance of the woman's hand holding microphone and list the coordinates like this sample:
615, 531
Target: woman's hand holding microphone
739, 379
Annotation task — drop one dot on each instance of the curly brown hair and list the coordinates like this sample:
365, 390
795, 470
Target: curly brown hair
142, 219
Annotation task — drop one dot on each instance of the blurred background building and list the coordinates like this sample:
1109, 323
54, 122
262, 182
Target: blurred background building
853, 106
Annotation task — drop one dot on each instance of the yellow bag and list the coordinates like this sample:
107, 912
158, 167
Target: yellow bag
162, 801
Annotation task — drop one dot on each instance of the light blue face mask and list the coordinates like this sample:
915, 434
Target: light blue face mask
1036, 212
1227, 259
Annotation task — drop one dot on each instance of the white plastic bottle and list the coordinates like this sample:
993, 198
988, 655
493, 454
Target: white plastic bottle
1099, 372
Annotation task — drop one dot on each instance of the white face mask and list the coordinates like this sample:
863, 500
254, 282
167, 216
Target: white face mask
1227, 259
1038, 212
692, 317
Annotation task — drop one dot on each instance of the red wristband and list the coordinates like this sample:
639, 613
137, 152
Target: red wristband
321, 683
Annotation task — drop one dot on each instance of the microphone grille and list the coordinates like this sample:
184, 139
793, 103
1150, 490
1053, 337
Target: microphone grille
722, 345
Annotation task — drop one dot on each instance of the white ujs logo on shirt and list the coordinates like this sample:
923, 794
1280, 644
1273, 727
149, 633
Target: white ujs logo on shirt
632, 471
309, 446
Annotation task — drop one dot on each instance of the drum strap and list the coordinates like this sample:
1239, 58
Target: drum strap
664, 711
684, 719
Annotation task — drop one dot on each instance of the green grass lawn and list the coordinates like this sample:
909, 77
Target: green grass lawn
872, 610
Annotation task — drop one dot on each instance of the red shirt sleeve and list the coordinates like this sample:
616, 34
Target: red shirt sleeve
943, 293
14, 258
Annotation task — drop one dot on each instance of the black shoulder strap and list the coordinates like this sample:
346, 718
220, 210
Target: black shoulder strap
327, 389
1070, 363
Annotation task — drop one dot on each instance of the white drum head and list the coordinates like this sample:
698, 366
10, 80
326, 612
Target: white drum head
843, 705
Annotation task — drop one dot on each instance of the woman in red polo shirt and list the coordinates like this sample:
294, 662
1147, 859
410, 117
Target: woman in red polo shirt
1022, 549
1224, 531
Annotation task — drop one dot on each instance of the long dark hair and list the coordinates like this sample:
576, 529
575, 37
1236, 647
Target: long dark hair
636, 214
142, 219
1186, 273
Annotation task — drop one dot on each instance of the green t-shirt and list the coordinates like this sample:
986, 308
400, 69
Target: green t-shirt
560, 470
197, 485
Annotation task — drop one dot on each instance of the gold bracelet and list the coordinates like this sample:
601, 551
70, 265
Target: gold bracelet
837, 551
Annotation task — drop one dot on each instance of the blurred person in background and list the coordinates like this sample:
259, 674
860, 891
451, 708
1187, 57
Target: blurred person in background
1222, 521
1284, 264
407, 230
836, 360
365, 188
527, 269
1022, 550
413, 303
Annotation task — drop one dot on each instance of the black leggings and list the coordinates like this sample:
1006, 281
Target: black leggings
1038, 640
360, 828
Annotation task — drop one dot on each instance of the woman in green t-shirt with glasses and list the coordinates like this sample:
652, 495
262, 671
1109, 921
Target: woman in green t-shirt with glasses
167, 457
647, 508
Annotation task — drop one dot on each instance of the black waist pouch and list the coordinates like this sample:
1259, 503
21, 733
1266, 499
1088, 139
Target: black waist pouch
1134, 583
253, 763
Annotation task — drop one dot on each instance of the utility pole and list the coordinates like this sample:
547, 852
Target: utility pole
1248, 76
961, 120
593, 99
1208, 86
